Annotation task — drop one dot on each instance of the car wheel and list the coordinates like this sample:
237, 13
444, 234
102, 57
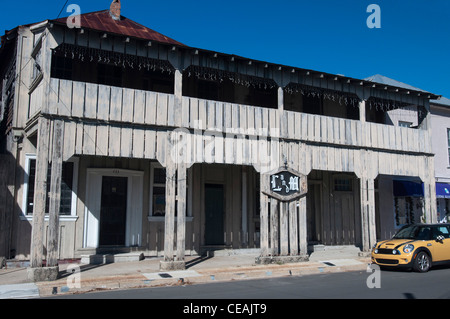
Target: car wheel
422, 262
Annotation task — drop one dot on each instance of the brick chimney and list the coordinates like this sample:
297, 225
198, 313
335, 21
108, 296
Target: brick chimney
114, 10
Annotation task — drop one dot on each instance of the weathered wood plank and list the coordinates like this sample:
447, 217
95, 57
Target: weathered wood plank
127, 105
181, 210
274, 225
55, 194
293, 228
70, 129
102, 140
90, 106
53, 98
114, 141
139, 107
89, 139
150, 107
284, 229
79, 139
78, 99
138, 143
65, 98
126, 142
264, 223
302, 226
104, 97
116, 104
40, 195
150, 144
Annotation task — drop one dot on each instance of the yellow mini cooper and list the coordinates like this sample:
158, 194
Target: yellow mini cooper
416, 246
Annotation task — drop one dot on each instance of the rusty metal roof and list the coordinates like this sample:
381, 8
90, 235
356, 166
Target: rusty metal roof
103, 22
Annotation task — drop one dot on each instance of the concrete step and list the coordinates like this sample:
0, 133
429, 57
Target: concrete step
323, 252
99, 259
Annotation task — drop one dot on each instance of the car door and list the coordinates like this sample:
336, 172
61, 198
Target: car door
441, 248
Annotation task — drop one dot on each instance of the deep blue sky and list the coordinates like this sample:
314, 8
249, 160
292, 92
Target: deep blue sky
412, 45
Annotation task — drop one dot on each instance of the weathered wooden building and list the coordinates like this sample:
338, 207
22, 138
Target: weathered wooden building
126, 140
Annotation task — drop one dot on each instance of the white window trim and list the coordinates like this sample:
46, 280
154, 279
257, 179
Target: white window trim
73, 216
152, 218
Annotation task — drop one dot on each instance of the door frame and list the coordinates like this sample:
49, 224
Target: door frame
133, 232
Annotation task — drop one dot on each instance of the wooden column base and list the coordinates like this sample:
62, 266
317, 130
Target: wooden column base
42, 274
172, 265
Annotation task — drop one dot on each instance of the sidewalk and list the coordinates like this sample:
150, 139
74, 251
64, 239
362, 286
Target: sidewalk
145, 274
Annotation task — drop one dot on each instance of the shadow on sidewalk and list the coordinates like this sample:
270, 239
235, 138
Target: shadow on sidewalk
70, 271
197, 261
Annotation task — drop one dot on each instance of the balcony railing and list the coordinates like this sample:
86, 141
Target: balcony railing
121, 105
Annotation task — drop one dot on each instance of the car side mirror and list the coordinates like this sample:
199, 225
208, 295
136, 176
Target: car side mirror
440, 238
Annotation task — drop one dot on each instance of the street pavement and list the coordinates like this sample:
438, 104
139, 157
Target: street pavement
78, 278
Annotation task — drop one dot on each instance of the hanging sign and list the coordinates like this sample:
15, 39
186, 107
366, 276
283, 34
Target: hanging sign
285, 184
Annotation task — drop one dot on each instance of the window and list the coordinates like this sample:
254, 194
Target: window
441, 231
404, 124
343, 184
68, 187
158, 193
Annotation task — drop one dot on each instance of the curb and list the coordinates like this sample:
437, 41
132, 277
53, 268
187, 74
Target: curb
62, 287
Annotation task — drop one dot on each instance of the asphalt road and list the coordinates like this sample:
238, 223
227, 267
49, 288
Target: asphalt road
348, 285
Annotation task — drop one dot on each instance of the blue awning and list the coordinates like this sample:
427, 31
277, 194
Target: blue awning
442, 190
408, 189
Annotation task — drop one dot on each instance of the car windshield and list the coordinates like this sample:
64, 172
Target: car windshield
414, 232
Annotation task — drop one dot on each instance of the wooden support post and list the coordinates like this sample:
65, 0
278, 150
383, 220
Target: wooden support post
55, 194
264, 225
368, 225
293, 228
362, 111
371, 212
181, 211
284, 229
274, 224
364, 214
244, 214
430, 210
170, 208
40, 194
178, 97
302, 226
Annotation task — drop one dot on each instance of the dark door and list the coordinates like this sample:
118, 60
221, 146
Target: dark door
113, 211
214, 207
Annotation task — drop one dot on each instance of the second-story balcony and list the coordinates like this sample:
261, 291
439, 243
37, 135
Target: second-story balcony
118, 105
95, 86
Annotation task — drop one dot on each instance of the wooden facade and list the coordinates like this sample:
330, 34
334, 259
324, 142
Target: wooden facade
122, 131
